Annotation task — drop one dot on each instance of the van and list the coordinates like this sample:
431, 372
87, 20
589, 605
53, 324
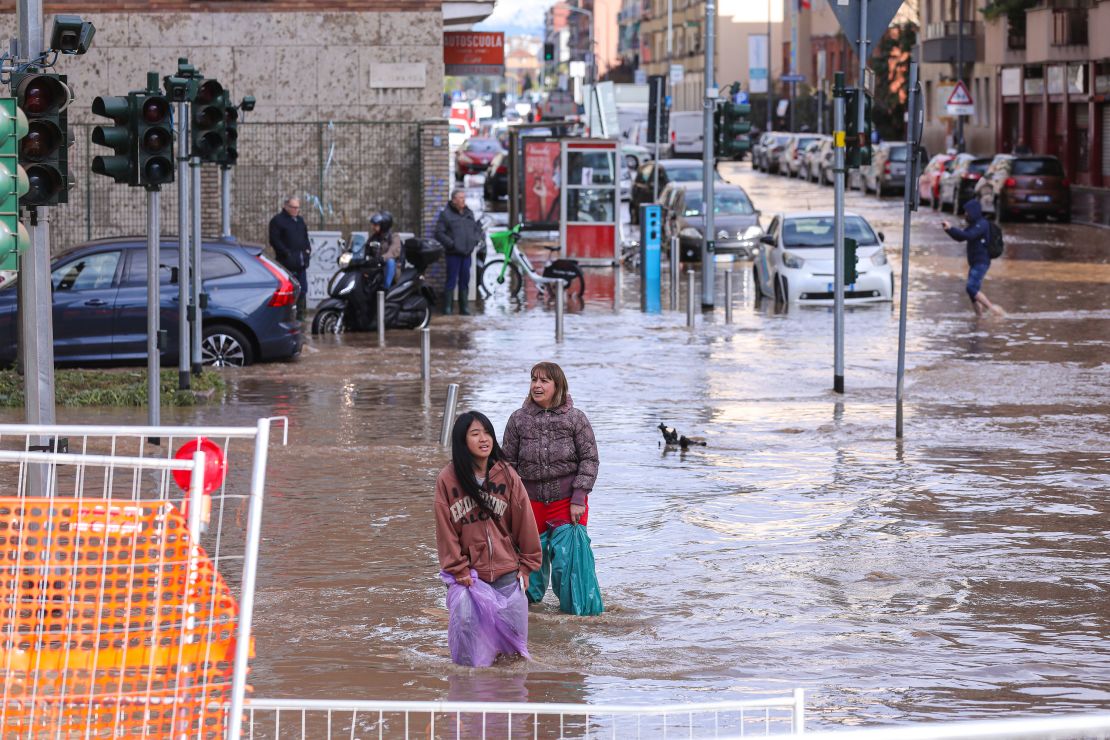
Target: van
559, 104
686, 130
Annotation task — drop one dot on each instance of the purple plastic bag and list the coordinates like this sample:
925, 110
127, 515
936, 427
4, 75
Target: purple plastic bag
484, 621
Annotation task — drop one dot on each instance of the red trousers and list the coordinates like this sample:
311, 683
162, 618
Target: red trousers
551, 515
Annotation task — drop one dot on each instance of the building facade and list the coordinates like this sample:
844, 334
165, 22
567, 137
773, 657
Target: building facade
1052, 84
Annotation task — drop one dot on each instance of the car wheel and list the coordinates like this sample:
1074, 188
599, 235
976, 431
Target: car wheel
758, 288
327, 321
223, 346
1000, 209
779, 294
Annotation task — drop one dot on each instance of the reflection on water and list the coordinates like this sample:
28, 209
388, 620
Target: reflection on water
961, 573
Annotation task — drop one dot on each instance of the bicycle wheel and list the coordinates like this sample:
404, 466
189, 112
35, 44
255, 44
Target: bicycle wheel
493, 283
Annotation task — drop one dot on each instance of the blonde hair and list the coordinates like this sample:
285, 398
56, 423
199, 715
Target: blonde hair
554, 373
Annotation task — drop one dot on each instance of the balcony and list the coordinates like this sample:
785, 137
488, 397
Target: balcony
1069, 27
942, 40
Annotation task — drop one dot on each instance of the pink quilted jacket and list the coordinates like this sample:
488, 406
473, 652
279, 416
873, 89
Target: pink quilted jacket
553, 450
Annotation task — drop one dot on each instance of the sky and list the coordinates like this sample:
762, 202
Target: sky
517, 17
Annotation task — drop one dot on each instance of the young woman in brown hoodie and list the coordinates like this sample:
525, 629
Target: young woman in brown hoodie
484, 520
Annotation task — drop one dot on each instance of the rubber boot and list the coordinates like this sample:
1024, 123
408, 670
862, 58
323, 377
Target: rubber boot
464, 310
448, 304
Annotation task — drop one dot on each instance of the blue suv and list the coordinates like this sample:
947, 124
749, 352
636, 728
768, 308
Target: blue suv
100, 311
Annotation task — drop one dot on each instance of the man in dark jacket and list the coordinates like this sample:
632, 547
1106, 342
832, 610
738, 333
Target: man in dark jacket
289, 238
459, 233
976, 235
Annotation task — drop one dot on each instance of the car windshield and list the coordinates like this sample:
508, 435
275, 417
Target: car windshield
1045, 167
979, 166
455, 129
804, 142
898, 154
725, 202
782, 140
684, 174
817, 231
483, 145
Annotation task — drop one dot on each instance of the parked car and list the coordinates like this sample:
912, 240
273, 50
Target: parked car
458, 131
824, 161
759, 149
928, 183
686, 132
812, 158
1025, 186
474, 156
794, 158
735, 219
957, 183
678, 170
99, 295
887, 171
634, 155
775, 153
496, 185
559, 104
794, 260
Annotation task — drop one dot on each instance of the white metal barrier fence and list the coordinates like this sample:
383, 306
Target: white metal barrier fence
1068, 727
271, 719
126, 600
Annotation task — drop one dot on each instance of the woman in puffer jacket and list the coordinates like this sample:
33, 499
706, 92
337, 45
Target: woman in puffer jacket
551, 444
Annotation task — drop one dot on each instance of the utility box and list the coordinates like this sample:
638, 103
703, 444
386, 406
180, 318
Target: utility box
651, 257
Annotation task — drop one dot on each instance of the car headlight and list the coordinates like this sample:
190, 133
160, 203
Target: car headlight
792, 260
344, 259
751, 233
879, 258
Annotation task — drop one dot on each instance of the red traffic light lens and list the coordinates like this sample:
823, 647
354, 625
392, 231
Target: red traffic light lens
156, 139
41, 141
208, 92
155, 110
40, 95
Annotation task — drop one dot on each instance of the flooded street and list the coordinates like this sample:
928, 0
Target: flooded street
962, 573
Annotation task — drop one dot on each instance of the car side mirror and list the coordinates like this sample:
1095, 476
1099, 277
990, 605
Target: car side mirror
173, 273
767, 239
882, 237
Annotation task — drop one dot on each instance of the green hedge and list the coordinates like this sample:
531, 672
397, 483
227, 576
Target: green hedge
122, 387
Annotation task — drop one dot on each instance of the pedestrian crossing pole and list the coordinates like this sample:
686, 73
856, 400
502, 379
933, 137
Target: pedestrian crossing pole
838, 228
709, 248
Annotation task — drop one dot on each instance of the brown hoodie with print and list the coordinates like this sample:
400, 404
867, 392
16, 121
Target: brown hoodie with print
467, 537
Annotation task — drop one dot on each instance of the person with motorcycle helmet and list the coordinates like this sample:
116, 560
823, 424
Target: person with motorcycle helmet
381, 231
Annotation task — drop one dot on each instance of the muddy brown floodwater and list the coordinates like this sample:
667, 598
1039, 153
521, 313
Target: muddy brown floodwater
963, 573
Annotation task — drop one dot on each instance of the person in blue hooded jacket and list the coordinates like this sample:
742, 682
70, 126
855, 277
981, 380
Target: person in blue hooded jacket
976, 235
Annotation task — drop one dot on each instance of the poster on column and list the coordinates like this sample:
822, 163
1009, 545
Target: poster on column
542, 184
757, 63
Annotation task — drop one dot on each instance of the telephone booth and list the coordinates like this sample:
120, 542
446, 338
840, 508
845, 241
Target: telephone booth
590, 200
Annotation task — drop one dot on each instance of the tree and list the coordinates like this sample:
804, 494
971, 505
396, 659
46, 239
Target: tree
891, 66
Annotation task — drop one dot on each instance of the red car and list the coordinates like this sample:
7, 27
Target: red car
474, 156
928, 184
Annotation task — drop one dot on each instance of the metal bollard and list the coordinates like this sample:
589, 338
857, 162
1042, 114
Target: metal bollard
560, 306
728, 296
690, 299
425, 353
449, 413
381, 318
674, 273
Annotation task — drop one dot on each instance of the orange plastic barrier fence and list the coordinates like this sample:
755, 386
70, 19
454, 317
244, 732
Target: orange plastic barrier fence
114, 622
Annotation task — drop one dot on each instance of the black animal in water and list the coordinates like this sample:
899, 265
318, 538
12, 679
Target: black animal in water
671, 438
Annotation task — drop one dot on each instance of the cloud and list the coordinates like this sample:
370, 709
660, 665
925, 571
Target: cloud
517, 16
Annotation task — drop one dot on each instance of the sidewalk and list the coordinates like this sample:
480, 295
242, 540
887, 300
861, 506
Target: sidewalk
1090, 205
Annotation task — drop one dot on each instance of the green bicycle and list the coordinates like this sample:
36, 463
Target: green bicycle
502, 271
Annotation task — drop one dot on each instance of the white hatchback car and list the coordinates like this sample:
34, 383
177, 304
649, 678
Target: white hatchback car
794, 260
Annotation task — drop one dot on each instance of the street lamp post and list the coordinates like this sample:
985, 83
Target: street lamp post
592, 73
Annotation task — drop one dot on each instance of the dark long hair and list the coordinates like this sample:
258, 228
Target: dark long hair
463, 461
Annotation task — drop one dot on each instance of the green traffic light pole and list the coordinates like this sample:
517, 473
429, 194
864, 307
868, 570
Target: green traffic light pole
181, 111
35, 300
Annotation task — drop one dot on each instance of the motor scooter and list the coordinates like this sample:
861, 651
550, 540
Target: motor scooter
352, 303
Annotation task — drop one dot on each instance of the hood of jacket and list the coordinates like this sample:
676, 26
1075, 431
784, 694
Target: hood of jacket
974, 210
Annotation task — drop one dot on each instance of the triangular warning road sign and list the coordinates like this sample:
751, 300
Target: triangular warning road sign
960, 95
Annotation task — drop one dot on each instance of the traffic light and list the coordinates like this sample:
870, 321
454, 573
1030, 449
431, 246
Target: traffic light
850, 273
119, 137
857, 135
153, 137
549, 52
732, 122
44, 151
209, 129
13, 184
231, 132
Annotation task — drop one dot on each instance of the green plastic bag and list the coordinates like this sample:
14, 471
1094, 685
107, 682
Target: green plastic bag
568, 559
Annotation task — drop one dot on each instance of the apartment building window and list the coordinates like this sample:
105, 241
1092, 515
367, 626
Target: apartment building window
929, 100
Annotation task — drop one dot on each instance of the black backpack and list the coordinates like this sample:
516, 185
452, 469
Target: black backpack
994, 240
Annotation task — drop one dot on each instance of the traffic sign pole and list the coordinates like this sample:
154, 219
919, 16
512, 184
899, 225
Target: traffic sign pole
863, 43
197, 323
838, 237
708, 251
910, 202
183, 341
153, 310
